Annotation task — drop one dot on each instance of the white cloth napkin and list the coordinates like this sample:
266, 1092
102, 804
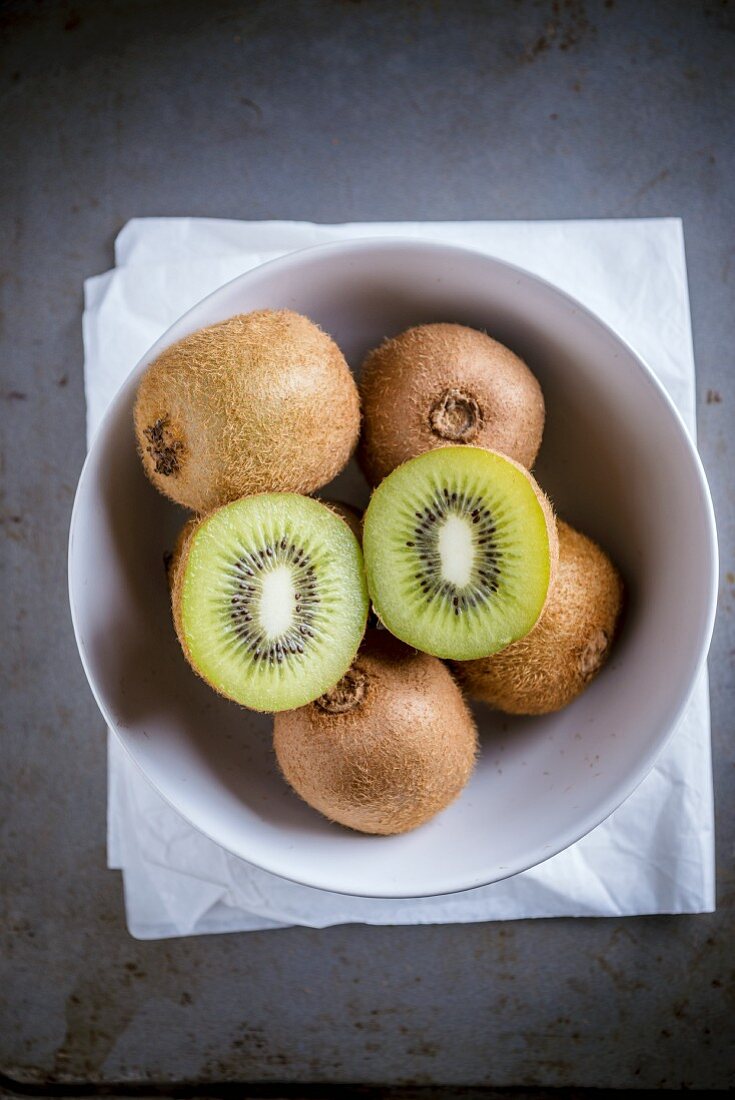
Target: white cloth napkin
655, 854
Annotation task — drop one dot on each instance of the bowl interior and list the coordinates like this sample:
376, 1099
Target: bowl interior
617, 464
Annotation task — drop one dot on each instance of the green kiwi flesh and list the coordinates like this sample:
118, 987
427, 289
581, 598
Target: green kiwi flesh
269, 600
460, 552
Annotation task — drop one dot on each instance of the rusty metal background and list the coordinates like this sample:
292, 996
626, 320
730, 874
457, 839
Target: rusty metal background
331, 111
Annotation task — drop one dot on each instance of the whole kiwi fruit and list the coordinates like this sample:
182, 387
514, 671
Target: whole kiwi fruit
442, 384
386, 749
552, 665
262, 402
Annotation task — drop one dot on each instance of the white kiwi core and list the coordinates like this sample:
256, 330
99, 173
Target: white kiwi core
276, 610
456, 551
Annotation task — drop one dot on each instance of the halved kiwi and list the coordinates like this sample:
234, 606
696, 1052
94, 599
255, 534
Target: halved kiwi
269, 599
460, 552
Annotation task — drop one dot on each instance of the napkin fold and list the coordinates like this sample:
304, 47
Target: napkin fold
655, 854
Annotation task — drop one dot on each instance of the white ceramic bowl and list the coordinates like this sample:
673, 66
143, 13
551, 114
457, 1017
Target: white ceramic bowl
617, 463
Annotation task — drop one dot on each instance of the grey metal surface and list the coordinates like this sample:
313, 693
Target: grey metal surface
332, 111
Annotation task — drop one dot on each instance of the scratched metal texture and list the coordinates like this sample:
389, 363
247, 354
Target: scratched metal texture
331, 111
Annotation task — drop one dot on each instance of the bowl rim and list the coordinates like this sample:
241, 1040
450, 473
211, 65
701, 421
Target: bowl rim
636, 775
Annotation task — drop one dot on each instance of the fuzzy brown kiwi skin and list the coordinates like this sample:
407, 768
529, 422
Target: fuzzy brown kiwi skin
352, 516
551, 666
389, 747
262, 402
442, 385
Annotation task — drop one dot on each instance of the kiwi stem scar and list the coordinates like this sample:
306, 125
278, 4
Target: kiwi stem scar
456, 415
346, 695
163, 448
